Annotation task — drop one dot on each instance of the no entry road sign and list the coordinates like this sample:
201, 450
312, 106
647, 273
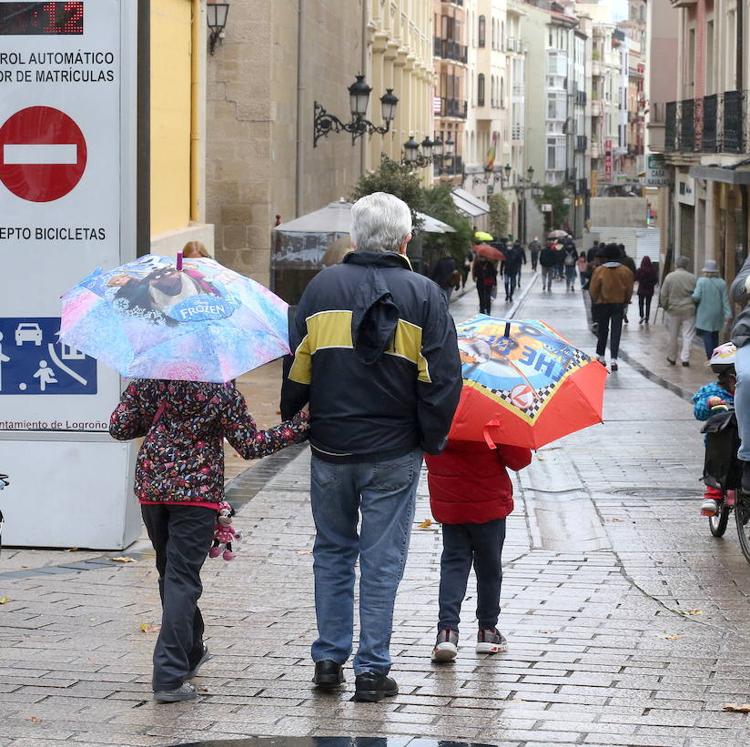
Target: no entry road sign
42, 154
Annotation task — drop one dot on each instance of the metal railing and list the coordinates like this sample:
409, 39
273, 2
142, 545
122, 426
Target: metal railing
449, 49
713, 124
450, 107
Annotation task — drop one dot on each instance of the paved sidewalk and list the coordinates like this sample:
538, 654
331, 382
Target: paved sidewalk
626, 619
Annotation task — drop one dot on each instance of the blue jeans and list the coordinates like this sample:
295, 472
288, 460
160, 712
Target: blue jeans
384, 494
464, 544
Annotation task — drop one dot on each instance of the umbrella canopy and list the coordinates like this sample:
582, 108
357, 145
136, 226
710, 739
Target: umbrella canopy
483, 236
524, 384
558, 234
488, 252
149, 319
336, 217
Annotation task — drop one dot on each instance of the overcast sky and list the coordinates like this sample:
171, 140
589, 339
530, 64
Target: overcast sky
619, 9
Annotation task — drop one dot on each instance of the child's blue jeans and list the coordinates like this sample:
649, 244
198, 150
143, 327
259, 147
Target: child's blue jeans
464, 544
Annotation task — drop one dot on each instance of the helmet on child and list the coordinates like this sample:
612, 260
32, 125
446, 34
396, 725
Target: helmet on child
723, 357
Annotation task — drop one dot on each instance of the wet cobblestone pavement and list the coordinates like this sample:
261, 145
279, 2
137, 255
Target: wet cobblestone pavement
626, 619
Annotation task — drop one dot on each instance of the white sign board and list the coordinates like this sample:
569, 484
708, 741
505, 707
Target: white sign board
67, 195
657, 174
59, 203
546, 207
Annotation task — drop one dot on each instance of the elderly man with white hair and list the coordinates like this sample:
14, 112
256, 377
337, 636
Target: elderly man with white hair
676, 298
376, 357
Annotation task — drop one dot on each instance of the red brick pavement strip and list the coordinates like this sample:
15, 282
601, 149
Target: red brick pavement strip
599, 654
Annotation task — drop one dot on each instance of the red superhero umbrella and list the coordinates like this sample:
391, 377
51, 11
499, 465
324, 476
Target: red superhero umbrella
524, 384
488, 252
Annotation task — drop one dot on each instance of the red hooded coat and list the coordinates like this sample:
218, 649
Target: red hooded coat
469, 482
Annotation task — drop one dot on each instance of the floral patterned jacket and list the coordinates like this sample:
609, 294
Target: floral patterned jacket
184, 423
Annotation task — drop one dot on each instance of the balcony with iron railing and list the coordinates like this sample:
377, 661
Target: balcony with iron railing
713, 124
450, 107
449, 49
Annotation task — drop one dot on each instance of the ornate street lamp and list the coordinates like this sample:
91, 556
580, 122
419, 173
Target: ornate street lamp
411, 151
359, 99
216, 17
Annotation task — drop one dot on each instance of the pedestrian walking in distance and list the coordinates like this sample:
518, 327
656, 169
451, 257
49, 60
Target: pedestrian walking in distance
583, 267
510, 268
712, 306
548, 262
375, 354
676, 298
484, 273
179, 482
534, 248
471, 495
647, 278
611, 289
521, 252
570, 256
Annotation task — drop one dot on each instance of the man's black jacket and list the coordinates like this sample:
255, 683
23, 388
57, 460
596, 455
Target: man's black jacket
376, 357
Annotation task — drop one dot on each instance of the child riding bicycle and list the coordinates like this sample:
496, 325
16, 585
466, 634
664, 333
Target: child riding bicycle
713, 399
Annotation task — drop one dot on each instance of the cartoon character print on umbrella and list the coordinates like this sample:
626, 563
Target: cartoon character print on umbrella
170, 296
494, 364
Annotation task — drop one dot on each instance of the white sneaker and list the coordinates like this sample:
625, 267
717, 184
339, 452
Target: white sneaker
491, 641
446, 646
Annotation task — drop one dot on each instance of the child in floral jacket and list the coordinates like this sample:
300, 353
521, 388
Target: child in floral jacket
179, 482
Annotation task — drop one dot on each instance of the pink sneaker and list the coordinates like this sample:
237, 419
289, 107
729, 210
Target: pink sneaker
214, 552
228, 555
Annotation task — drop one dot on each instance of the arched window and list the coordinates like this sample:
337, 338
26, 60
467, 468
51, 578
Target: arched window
482, 30
502, 93
501, 41
494, 34
480, 89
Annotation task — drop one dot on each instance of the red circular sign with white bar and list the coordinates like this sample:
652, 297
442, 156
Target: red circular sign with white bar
42, 154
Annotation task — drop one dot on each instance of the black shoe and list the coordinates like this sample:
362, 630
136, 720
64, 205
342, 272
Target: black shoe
371, 687
671, 362
746, 477
328, 675
205, 656
686, 364
185, 691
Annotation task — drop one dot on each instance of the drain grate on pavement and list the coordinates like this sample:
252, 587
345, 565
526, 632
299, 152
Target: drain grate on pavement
651, 492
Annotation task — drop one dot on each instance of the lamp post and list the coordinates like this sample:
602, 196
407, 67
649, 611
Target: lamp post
359, 99
216, 18
421, 155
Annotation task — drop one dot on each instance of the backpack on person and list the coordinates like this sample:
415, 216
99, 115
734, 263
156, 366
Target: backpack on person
721, 468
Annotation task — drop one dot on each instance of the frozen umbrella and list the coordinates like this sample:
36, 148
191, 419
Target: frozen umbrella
151, 319
524, 384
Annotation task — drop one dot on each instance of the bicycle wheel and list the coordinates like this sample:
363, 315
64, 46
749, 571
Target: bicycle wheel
718, 523
742, 517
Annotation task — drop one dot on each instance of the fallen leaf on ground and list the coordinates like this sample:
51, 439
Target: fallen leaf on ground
673, 637
694, 612
304, 552
614, 520
426, 524
72, 549
123, 559
149, 628
4, 600
34, 719
737, 707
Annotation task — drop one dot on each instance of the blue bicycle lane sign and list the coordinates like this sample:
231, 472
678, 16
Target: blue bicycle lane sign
33, 361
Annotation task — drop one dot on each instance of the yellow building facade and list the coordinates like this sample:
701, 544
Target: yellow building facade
178, 65
400, 39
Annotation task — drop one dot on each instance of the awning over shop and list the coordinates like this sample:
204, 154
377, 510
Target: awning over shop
468, 203
433, 225
336, 217
719, 174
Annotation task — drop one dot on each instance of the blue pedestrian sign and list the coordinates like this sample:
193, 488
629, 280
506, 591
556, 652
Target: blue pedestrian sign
34, 361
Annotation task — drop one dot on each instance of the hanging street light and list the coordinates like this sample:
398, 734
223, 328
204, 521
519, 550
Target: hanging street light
359, 99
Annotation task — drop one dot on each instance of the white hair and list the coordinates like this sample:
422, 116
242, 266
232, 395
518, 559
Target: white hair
380, 222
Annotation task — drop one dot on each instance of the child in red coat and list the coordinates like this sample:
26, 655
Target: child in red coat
471, 494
